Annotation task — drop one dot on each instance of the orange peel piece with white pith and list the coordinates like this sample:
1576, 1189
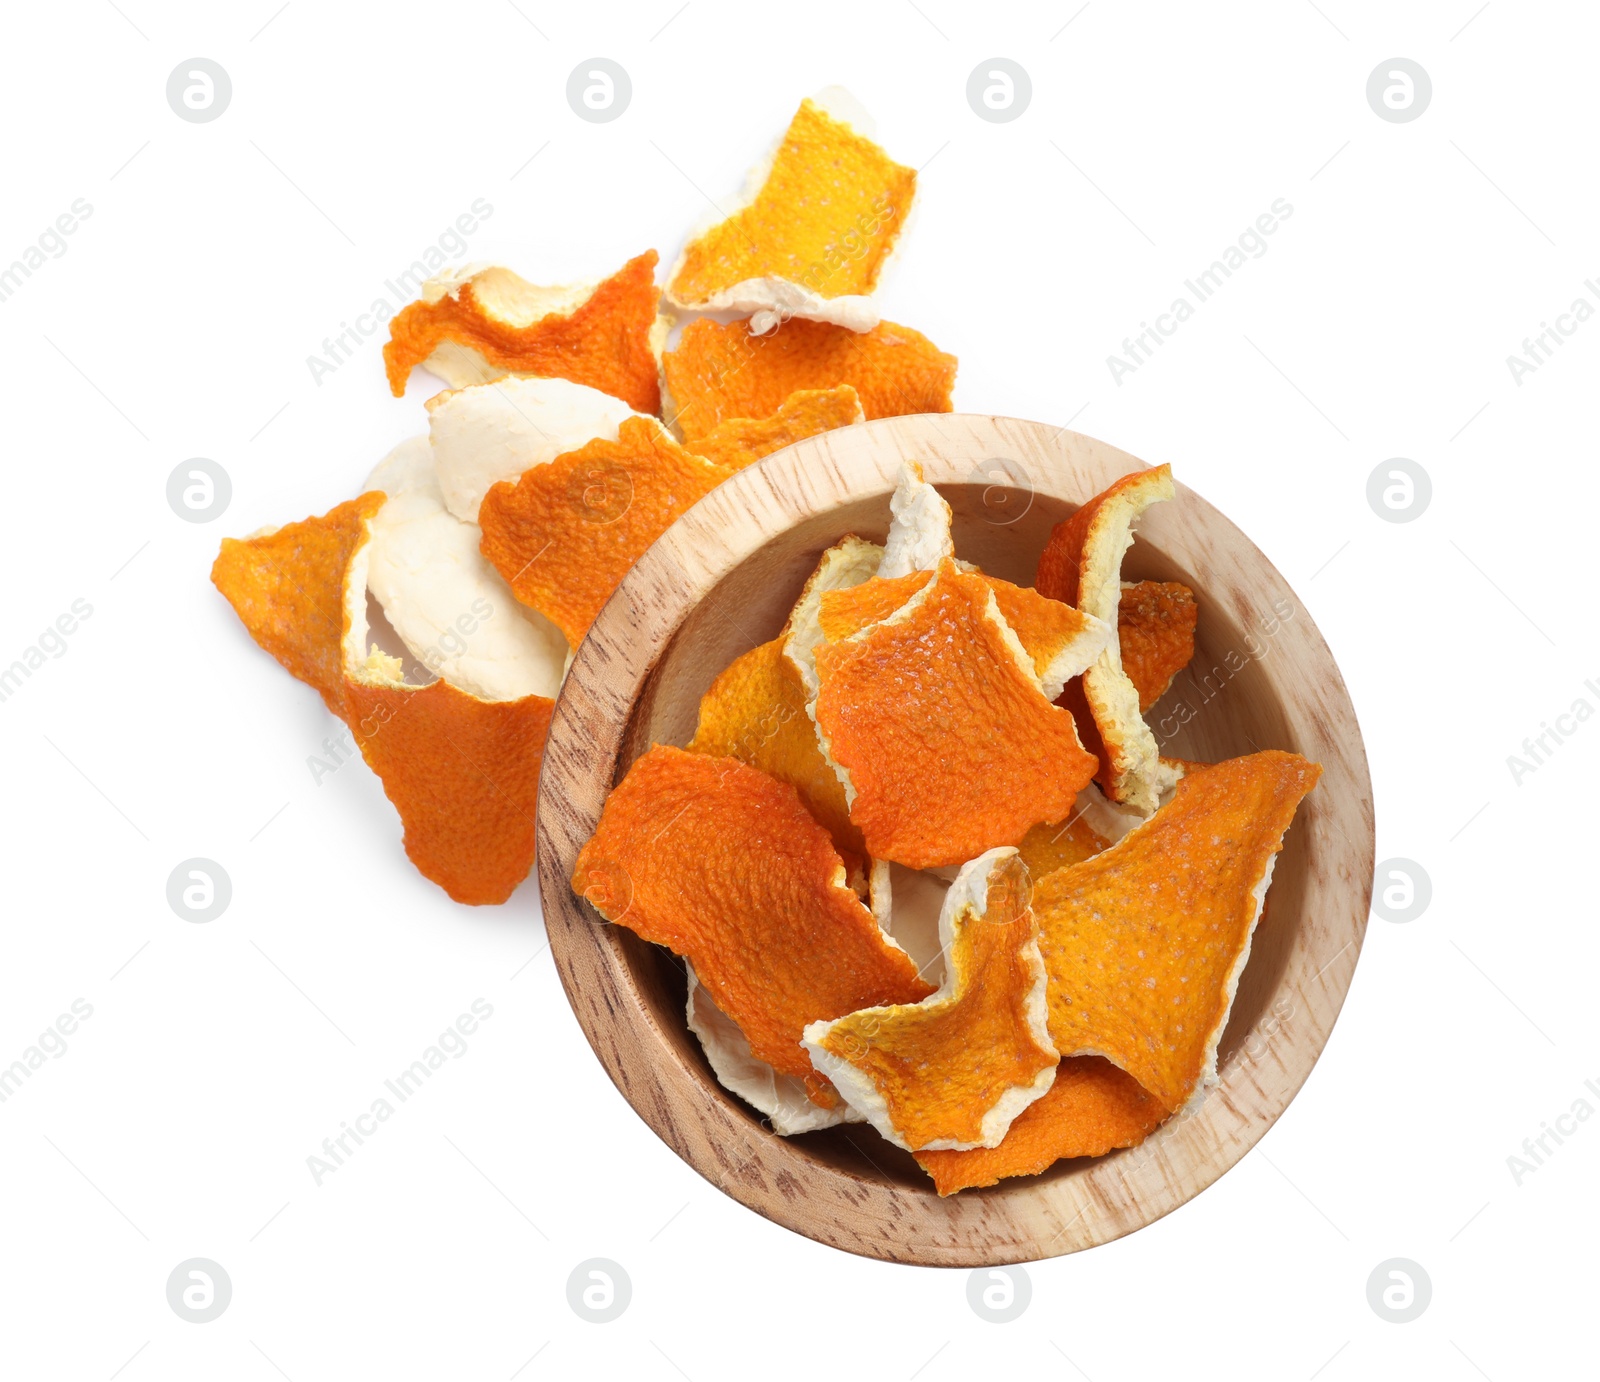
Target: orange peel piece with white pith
813, 240
565, 534
953, 1071
288, 587
722, 370
1155, 631
723, 865
1091, 1109
743, 441
462, 771
1060, 640
755, 711
487, 323
946, 743
1081, 565
1145, 942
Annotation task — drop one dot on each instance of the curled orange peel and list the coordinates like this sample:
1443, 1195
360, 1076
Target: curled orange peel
954, 1070
720, 371
723, 865
565, 534
1081, 566
289, 587
1145, 941
945, 741
812, 241
462, 771
489, 322
744, 441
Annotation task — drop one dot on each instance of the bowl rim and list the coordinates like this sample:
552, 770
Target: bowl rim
1019, 1220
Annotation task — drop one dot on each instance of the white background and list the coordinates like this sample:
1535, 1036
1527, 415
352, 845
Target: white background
177, 324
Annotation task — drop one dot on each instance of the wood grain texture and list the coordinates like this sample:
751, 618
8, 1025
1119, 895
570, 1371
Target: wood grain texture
721, 581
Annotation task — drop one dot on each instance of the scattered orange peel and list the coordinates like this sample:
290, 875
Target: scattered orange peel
565, 534
288, 586
1081, 565
812, 240
946, 744
953, 1071
724, 866
484, 323
1145, 941
744, 441
721, 370
462, 770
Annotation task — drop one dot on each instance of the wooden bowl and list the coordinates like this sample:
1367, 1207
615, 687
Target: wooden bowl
723, 580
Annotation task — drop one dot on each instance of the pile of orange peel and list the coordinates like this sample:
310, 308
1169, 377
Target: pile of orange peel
924, 862
907, 892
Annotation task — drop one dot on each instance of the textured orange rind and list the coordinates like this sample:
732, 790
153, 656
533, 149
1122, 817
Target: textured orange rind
953, 1071
812, 240
492, 323
724, 866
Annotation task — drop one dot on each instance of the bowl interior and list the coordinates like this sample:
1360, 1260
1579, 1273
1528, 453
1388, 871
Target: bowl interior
1003, 530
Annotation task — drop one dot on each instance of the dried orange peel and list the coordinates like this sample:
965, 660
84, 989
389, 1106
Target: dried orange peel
484, 323
487, 433
565, 534
724, 866
1081, 565
785, 1099
812, 237
1091, 1109
1155, 633
743, 441
288, 586
461, 769
445, 602
720, 371
755, 711
954, 1070
946, 744
1145, 941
